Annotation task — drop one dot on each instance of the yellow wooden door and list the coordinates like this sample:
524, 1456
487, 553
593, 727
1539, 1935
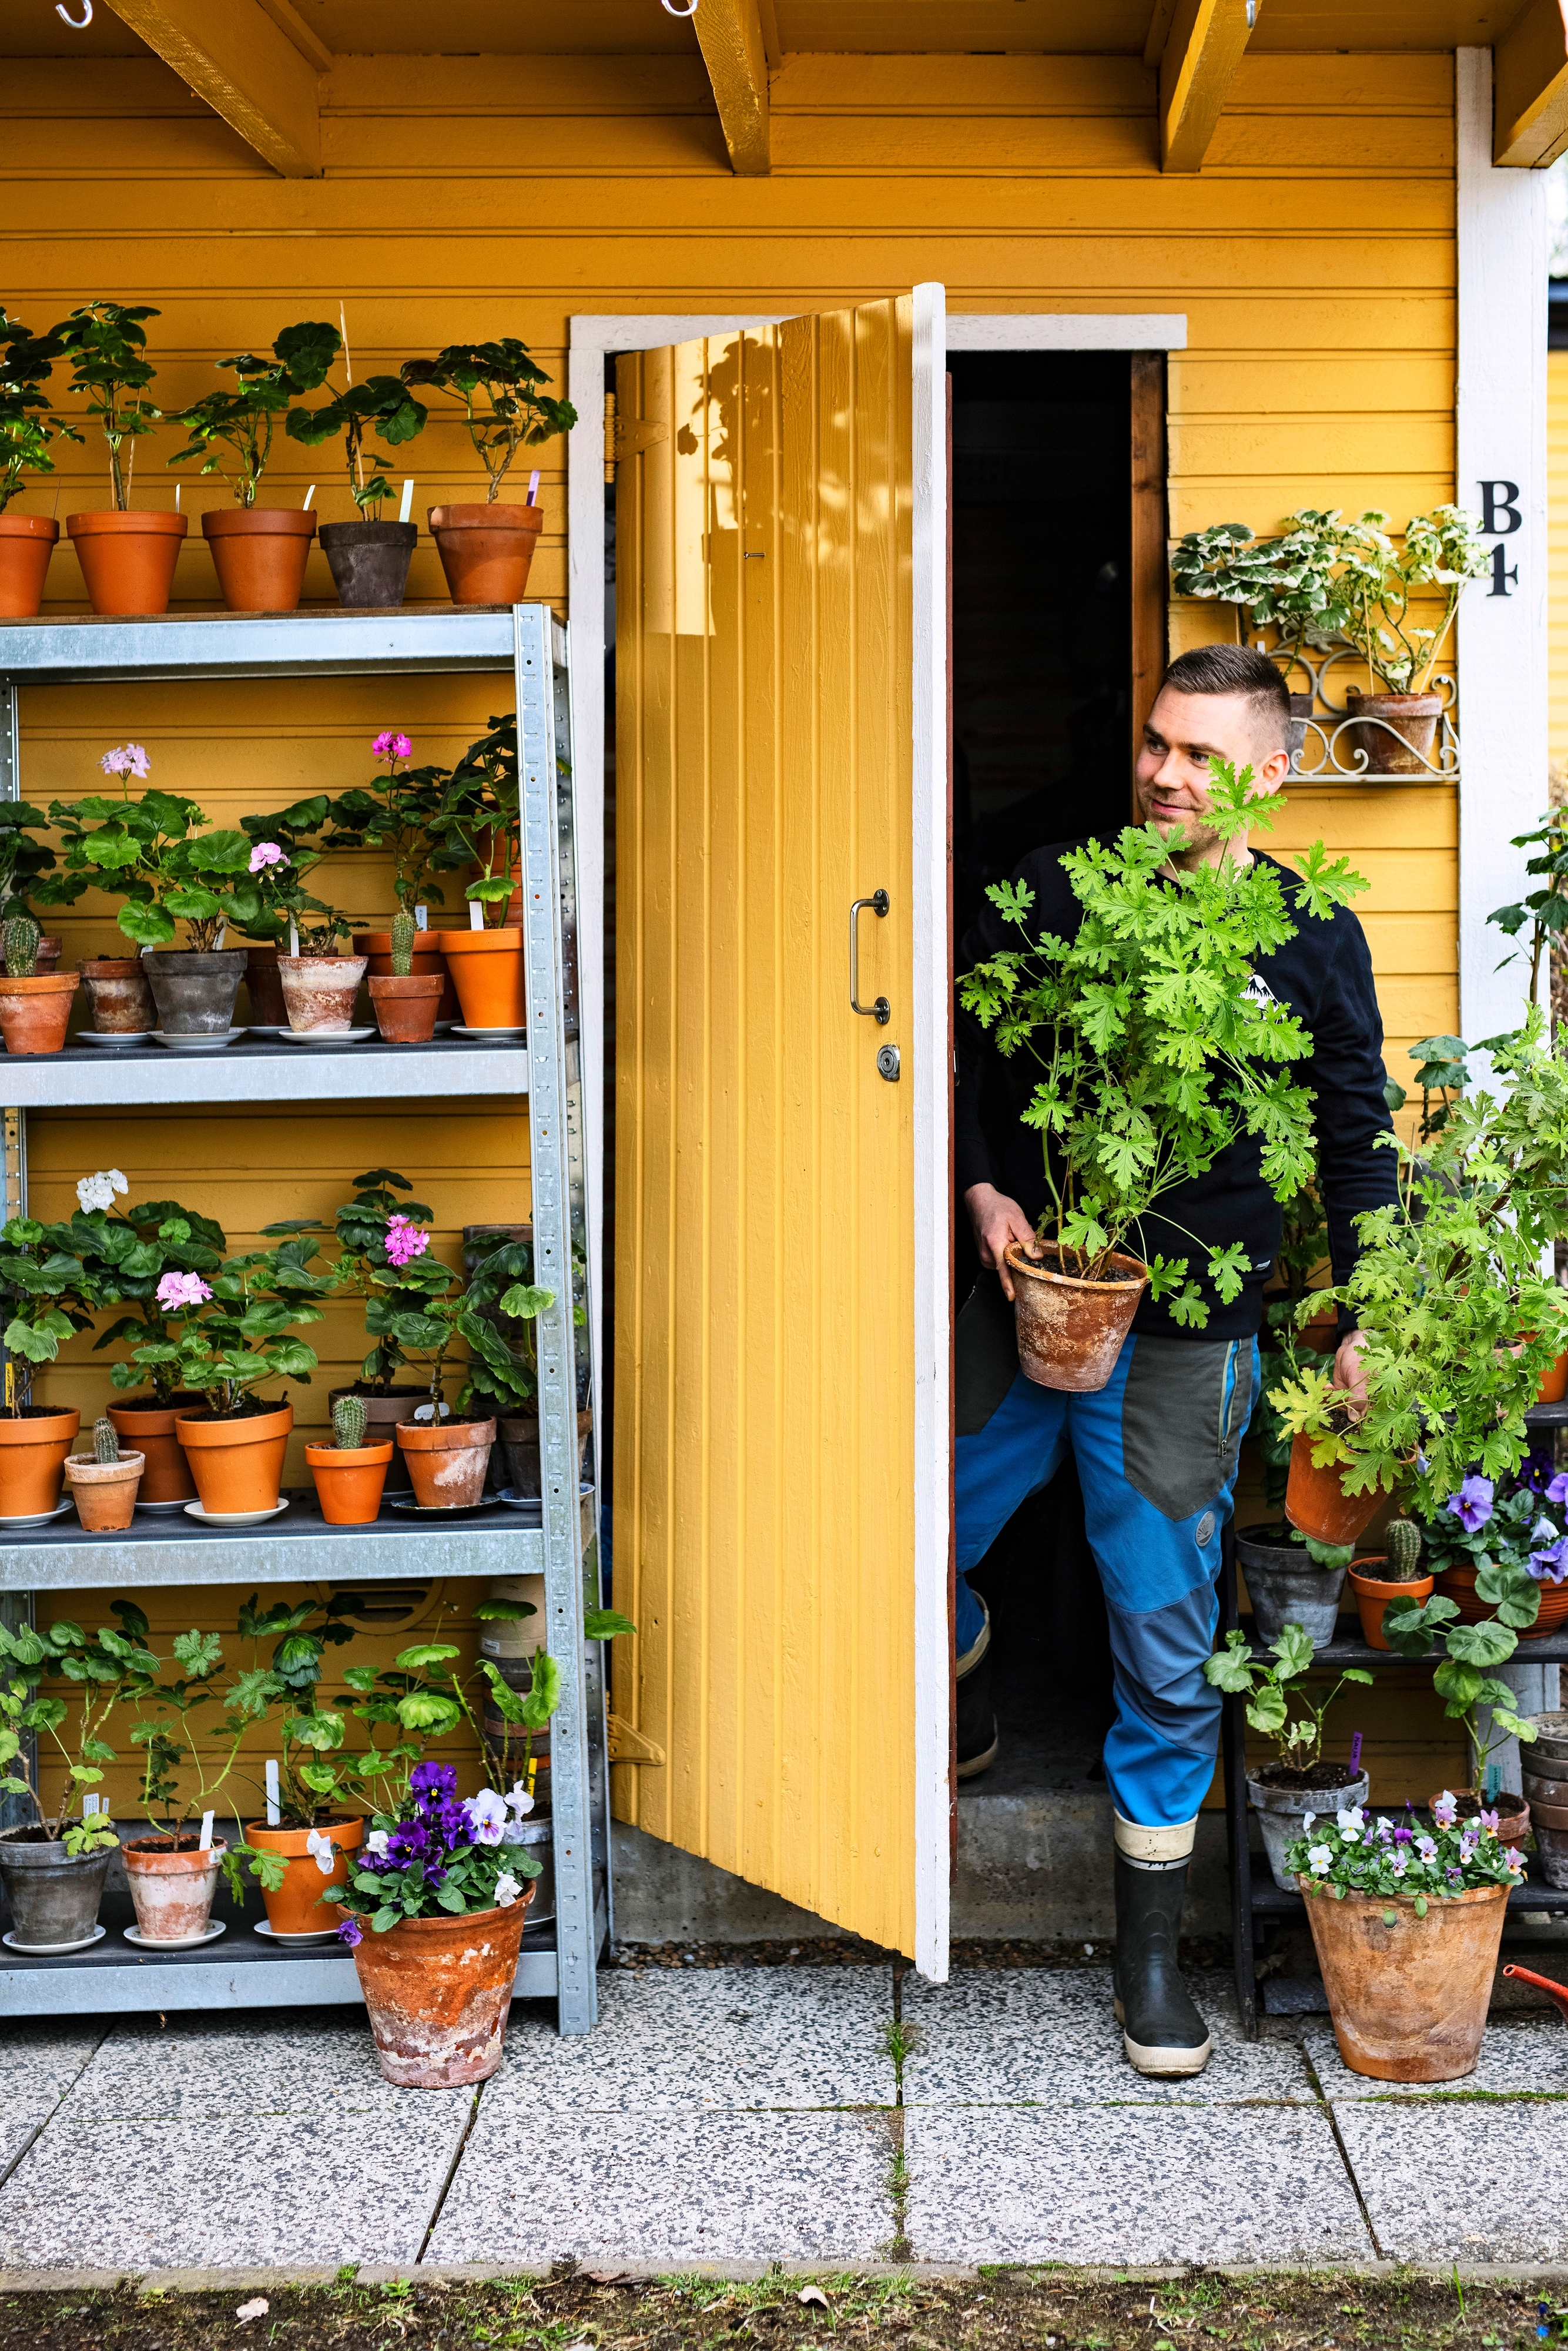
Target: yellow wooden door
781, 1251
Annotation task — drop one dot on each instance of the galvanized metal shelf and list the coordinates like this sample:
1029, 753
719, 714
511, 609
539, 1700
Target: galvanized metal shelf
526, 641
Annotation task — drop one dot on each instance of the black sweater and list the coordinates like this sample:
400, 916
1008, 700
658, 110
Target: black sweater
1324, 976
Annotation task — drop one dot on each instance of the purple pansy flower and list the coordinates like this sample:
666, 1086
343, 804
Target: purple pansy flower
1472, 1504
352, 1933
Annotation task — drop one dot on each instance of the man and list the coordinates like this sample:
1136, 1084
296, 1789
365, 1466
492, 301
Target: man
1157, 1450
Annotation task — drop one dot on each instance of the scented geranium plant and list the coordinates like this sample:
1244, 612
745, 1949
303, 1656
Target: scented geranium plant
104, 1670
1153, 1051
438, 1854
398, 813
505, 411
1292, 1721
1357, 1853
233, 430
234, 1333
154, 853
27, 428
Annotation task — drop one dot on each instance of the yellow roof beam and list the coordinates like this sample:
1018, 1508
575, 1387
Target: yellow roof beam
1202, 50
253, 62
1530, 87
730, 34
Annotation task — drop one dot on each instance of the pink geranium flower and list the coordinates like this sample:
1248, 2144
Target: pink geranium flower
391, 745
404, 1241
178, 1291
265, 853
128, 760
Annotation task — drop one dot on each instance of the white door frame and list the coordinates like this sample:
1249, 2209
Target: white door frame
936, 332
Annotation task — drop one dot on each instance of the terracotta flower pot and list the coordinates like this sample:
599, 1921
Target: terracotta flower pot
36, 1013
1373, 1595
1409, 2001
376, 948
26, 543
297, 1908
319, 991
1316, 1503
47, 954
406, 1009
265, 988
487, 969
237, 1464
105, 1491
1555, 1384
349, 1480
1070, 1332
438, 1992
172, 1890
383, 1413
485, 551
33, 1452
369, 561
1459, 1585
446, 1459
127, 559
165, 1476
259, 553
194, 993
118, 991
1402, 745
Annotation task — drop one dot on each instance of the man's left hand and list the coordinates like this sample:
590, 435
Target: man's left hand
1348, 1372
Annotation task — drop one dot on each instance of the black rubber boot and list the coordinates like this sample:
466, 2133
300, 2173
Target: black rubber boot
977, 1721
1161, 2030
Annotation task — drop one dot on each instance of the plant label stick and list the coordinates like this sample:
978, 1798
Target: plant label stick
421, 918
1356, 1755
88, 1804
402, 512
534, 488
475, 915
274, 1811
205, 1844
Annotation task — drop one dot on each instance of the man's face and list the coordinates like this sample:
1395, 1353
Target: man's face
1185, 734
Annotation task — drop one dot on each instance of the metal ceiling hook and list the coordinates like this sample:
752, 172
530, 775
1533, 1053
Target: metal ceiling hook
669, 10
77, 24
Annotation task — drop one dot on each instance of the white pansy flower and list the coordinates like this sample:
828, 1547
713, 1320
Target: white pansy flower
377, 1842
507, 1889
519, 1799
1351, 1821
1319, 1856
322, 1851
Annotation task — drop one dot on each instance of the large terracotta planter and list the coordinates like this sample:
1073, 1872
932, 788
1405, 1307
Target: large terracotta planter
259, 554
297, 1908
237, 1464
406, 1007
33, 1450
194, 993
54, 1894
104, 1491
1407, 749
1409, 2001
438, 1992
165, 1476
382, 1415
1316, 1501
118, 991
1373, 1595
369, 561
1287, 1586
1070, 1332
26, 543
376, 948
349, 1480
487, 969
485, 551
36, 1013
319, 991
127, 559
172, 1890
265, 988
446, 1459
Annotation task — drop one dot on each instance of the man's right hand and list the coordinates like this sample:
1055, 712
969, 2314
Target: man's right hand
997, 1221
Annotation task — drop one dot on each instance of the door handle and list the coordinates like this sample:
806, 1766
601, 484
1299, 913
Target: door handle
881, 1011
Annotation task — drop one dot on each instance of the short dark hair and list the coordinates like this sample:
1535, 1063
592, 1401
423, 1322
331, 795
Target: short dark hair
1236, 669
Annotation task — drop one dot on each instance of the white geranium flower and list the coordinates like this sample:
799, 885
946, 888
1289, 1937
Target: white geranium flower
98, 1191
322, 1851
507, 1889
1319, 1856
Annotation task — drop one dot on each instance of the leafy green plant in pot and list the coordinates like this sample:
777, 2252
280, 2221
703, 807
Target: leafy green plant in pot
1287, 582
486, 551
260, 552
28, 431
53, 1867
145, 1260
504, 1304
48, 1293
1153, 1056
368, 557
128, 557
478, 825
1298, 1781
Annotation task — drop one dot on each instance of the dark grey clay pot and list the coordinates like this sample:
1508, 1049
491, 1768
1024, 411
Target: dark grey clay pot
54, 1896
194, 993
1286, 1586
369, 561
520, 1444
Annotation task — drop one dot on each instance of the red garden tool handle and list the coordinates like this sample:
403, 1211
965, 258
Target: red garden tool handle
1542, 1984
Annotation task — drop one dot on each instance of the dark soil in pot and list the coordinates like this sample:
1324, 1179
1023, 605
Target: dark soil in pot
369, 561
1299, 1777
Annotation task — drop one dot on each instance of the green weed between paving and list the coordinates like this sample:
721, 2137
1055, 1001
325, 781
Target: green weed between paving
1034, 2309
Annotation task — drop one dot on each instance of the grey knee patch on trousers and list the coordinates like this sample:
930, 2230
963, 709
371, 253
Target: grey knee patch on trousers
1181, 1433
986, 1355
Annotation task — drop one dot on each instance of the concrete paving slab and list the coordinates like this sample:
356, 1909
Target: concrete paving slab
1129, 2184
1523, 2052
181, 2194
1015, 2036
39, 2060
303, 2061
664, 2189
709, 2038
1461, 2179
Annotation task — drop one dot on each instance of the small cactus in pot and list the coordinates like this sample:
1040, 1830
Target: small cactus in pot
1402, 1549
350, 1467
105, 1442
405, 1001
35, 1006
403, 934
351, 1417
22, 936
105, 1482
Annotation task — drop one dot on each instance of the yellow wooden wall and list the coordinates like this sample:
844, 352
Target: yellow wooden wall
465, 196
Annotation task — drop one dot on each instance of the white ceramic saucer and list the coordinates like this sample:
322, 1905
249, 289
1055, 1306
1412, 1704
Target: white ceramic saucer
103, 1037
160, 1507
53, 1950
195, 1044
224, 1518
316, 1934
487, 1032
324, 1036
41, 1518
209, 1934
277, 1030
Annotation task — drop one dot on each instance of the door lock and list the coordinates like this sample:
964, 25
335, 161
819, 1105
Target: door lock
888, 1063
881, 1011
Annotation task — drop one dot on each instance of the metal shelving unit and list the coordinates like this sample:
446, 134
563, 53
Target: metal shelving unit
242, 1968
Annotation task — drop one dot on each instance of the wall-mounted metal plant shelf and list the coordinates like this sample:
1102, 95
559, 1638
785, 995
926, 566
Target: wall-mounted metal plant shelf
1337, 745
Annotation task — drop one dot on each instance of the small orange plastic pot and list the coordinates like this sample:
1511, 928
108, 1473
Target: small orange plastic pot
26, 543
296, 1908
349, 1480
259, 555
1373, 1595
237, 1464
127, 559
487, 969
33, 1450
149, 1428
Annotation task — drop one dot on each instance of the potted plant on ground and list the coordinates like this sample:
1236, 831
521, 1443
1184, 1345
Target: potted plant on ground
26, 431
1299, 1781
1129, 1105
479, 824
260, 552
350, 1473
1406, 1922
368, 558
128, 558
152, 853
53, 1868
405, 1001
486, 550
35, 1006
103, 1482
